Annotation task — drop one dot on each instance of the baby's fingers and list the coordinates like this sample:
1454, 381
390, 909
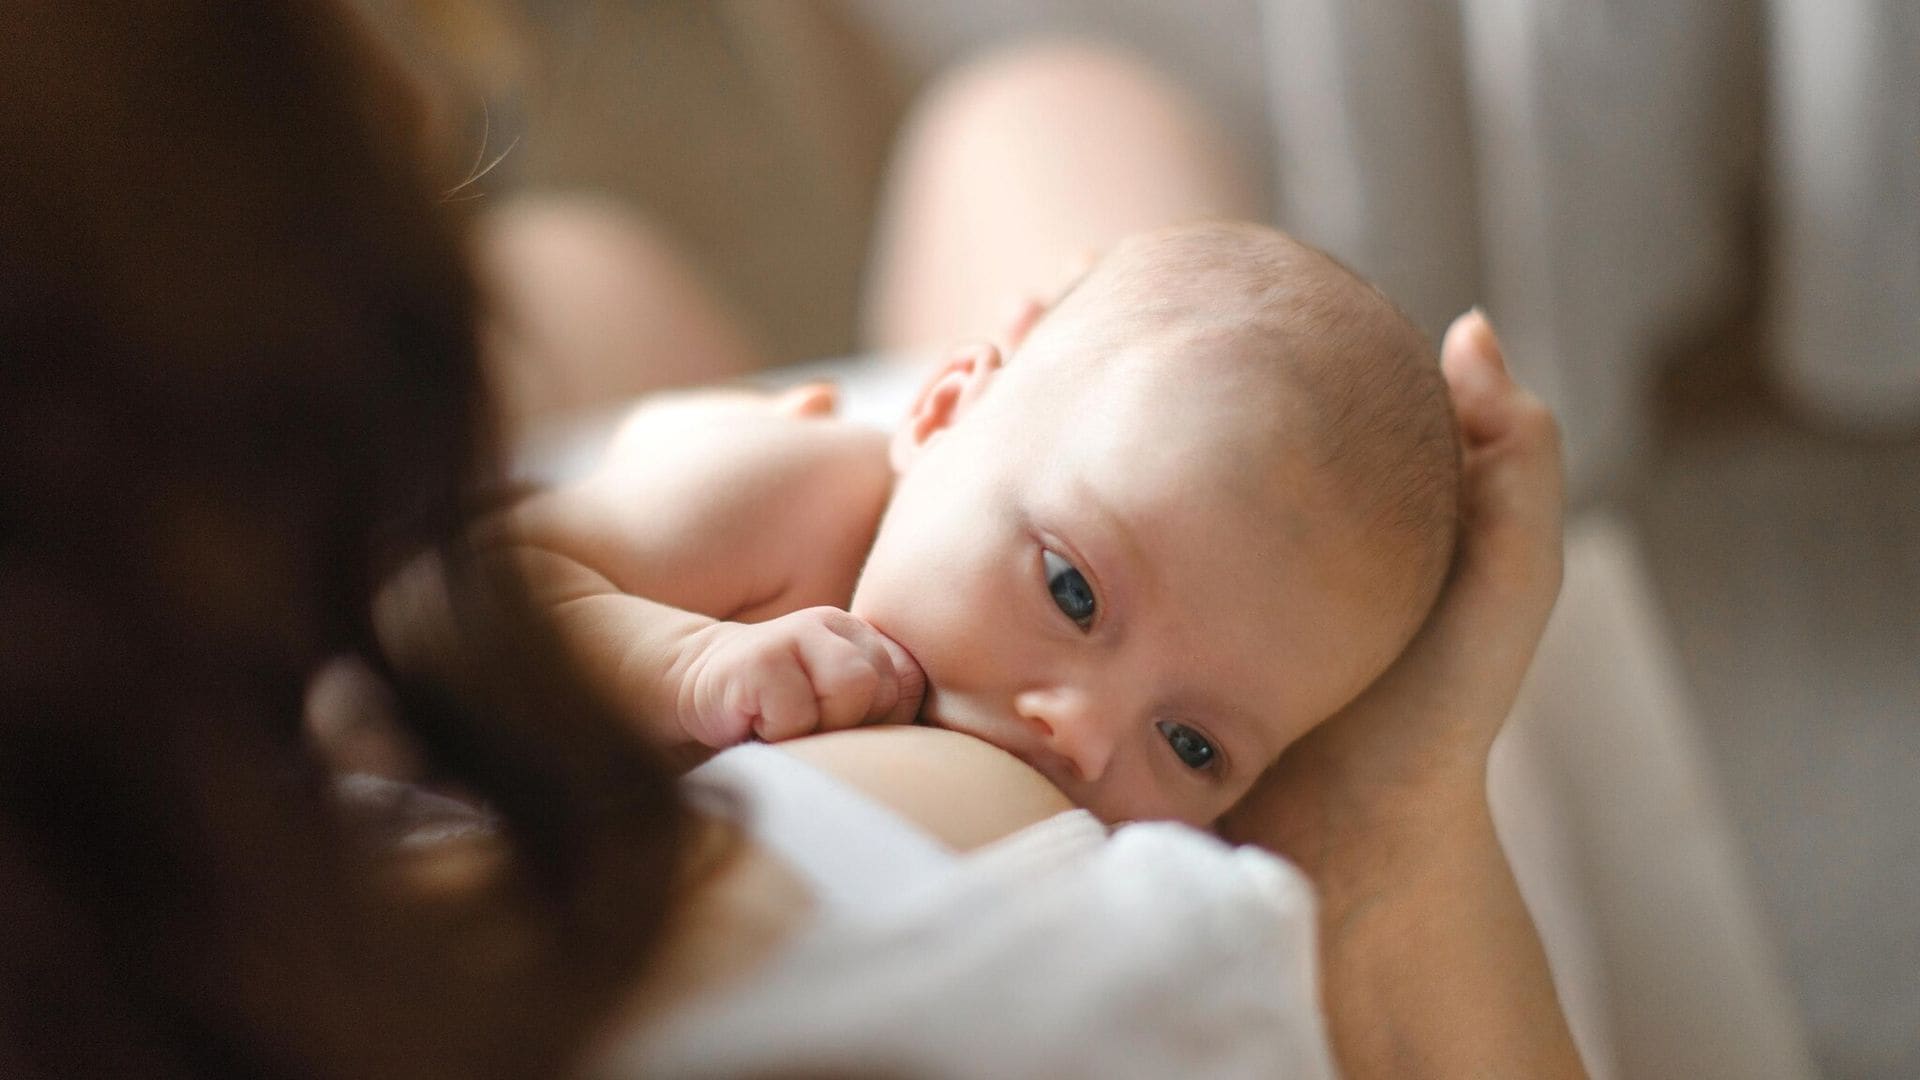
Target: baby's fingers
898, 681
784, 705
847, 679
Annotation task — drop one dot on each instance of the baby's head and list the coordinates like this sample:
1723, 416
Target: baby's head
1205, 503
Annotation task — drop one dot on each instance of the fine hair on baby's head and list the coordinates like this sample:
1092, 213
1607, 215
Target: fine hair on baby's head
1336, 372
1208, 499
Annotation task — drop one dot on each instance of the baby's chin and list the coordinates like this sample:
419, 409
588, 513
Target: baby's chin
930, 715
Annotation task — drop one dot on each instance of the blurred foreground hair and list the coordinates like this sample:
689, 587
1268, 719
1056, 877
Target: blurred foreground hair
238, 376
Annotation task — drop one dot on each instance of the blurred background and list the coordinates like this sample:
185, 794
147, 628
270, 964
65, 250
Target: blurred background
1697, 225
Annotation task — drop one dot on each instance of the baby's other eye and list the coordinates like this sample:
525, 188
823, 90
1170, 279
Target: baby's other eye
1071, 593
1191, 747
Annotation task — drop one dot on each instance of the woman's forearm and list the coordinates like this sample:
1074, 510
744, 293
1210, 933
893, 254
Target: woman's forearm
1432, 966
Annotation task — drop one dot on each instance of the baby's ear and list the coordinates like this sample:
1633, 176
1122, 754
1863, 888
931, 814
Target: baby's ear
956, 384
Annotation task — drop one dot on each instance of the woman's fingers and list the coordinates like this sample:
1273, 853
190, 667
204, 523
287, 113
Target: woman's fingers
1421, 733
1512, 456
1507, 573
1476, 373
1026, 309
1491, 406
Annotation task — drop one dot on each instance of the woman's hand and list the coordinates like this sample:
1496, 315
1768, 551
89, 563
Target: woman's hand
1416, 741
1431, 963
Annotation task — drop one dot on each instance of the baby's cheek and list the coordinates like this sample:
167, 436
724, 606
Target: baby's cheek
1142, 796
1232, 800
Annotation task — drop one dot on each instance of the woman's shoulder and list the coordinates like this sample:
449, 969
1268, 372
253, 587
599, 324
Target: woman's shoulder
963, 791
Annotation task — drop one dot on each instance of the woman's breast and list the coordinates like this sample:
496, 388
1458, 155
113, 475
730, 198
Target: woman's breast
743, 901
961, 790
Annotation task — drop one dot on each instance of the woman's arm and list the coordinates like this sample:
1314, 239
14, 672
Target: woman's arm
1432, 964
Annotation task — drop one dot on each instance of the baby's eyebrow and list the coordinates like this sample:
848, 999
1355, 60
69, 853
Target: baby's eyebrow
1235, 729
1125, 559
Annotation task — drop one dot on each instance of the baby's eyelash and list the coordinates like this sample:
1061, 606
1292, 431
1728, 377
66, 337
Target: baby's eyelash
1069, 588
1194, 749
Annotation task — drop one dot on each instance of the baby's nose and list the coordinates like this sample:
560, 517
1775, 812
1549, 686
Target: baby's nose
1073, 726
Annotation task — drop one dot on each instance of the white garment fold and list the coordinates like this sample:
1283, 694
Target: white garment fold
1061, 951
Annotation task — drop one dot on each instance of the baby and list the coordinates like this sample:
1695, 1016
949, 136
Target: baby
1202, 504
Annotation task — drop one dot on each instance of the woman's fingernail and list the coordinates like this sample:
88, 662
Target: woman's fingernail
1486, 340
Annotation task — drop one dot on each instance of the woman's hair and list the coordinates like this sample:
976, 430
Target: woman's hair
238, 375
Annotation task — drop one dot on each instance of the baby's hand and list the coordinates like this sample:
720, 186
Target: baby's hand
818, 669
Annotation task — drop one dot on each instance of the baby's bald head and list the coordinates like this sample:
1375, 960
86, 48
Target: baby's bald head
1206, 503
1333, 372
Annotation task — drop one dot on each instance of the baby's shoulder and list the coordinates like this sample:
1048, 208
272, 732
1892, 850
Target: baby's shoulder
749, 482
728, 443
762, 428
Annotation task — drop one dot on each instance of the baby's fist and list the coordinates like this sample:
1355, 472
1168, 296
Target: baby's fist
818, 669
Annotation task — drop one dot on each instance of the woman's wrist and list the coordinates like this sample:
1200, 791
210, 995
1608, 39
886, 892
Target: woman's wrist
1357, 830
1365, 847
1321, 803
1433, 966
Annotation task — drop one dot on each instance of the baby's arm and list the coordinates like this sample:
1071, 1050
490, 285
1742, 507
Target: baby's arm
685, 677
707, 514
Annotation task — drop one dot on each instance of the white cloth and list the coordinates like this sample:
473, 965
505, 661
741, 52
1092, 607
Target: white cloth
1061, 951
806, 818
1585, 168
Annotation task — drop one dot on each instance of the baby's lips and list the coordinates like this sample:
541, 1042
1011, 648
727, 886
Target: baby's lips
913, 683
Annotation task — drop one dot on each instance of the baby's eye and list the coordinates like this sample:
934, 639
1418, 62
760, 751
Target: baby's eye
1191, 747
1071, 593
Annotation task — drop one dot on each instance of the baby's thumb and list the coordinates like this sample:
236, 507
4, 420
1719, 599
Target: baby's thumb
911, 680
